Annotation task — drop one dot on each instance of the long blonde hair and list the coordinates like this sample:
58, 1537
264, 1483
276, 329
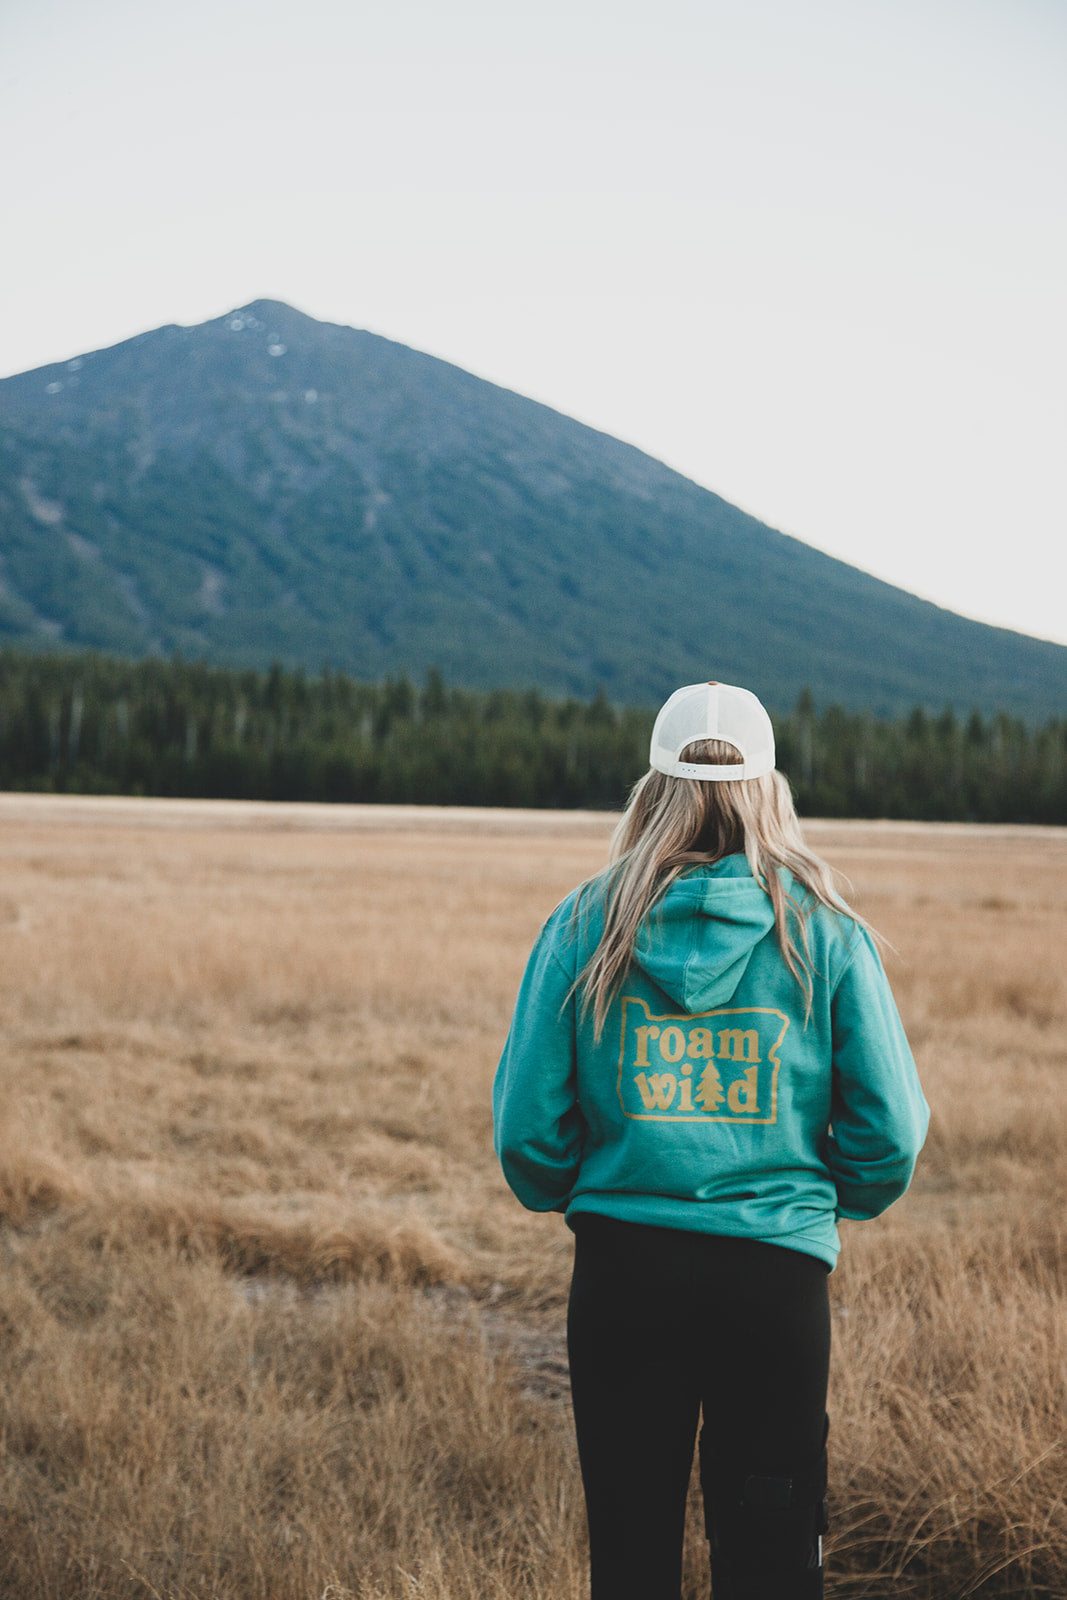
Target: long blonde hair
671, 824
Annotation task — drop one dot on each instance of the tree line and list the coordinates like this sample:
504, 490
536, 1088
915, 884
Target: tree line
94, 724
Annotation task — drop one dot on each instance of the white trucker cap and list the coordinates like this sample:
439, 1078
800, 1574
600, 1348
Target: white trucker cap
713, 711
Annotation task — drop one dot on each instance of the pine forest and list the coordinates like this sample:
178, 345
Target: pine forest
94, 724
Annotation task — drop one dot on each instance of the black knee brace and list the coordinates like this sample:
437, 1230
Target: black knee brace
765, 1531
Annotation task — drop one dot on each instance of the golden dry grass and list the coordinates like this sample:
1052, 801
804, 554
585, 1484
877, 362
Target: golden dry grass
273, 1328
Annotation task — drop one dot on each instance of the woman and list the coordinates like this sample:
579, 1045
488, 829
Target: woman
704, 1071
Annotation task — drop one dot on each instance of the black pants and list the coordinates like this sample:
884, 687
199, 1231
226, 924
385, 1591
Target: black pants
663, 1323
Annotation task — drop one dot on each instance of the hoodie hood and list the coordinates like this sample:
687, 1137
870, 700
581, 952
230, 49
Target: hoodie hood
697, 941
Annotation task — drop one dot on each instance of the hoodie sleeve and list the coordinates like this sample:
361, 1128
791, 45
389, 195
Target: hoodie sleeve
879, 1115
538, 1128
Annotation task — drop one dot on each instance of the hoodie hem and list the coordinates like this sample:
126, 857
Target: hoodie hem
662, 1211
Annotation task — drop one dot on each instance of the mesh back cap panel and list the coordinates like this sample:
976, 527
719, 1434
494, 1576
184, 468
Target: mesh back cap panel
713, 711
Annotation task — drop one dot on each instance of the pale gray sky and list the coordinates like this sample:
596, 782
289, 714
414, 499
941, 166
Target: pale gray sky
812, 253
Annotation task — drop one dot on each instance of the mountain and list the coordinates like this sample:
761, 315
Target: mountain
268, 486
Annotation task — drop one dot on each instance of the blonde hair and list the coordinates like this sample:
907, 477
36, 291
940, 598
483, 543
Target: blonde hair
671, 824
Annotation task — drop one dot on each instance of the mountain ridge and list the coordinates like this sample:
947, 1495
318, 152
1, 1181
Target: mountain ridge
266, 485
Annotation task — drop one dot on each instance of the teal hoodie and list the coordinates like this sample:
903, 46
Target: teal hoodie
711, 1102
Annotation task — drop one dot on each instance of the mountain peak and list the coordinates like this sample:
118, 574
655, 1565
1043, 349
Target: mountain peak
267, 315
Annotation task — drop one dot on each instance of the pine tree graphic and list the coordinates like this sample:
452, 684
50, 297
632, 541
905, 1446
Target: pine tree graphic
709, 1090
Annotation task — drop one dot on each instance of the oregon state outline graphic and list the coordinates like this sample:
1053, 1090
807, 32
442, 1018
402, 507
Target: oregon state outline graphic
707, 1066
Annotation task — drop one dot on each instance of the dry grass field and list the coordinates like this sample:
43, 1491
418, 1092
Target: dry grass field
271, 1326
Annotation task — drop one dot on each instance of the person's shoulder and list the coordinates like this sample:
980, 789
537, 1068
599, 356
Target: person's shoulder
578, 913
850, 950
835, 926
